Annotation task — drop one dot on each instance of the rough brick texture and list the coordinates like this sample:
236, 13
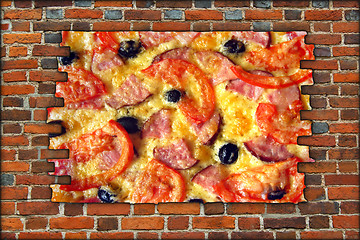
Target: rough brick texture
30, 44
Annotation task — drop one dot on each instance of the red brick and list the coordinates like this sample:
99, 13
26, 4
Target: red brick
147, 235
14, 141
40, 235
325, 39
346, 77
350, 207
347, 141
321, 235
40, 193
248, 223
295, 3
319, 115
317, 167
145, 223
321, 27
7, 208
42, 102
48, 153
36, 223
179, 208
319, 207
252, 235
346, 221
42, 128
347, 4
285, 235
35, 14
349, 102
294, 222
178, 223
348, 167
173, 4
4, 27
45, 75
346, 27
6, 3
203, 15
230, 26
320, 90
11, 224
19, 64
340, 193
201, 26
75, 235
23, 4
144, 209
291, 26
141, 26
319, 222
40, 115
41, 166
263, 14
345, 51
34, 179
343, 154
217, 235
18, 76
72, 223
20, 26
83, 13
214, 208
320, 15
43, 50
17, 89
341, 179
350, 89
22, 38
214, 222
111, 26
320, 141
245, 208
320, 64
314, 193
51, 26
8, 154
112, 235
17, 51
171, 26
230, 3
13, 193
183, 235
14, 166
351, 234
120, 3
109, 209
344, 128
142, 15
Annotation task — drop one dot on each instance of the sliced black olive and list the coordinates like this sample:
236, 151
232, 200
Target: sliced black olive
234, 46
173, 96
129, 123
196, 200
228, 153
106, 196
63, 129
68, 60
278, 194
129, 49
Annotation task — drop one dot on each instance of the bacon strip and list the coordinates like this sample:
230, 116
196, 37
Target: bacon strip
131, 92
158, 125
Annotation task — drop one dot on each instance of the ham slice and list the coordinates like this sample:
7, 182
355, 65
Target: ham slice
285, 98
109, 159
176, 155
207, 131
63, 167
267, 150
292, 35
216, 66
104, 60
262, 38
186, 37
176, 53
158, 125
152, 39
209, 177
131, 92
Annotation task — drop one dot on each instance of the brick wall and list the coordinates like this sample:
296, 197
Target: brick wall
30, 42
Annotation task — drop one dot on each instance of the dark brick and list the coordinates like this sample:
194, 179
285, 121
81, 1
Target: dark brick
15, 115
173, 14
54, 13
145, 3
348, 64
261, 26
81, 26
214, 208
312, 179
322, 52
106, 224
321, 77
49, 63
13, 102
262, 3
319, 207
352, 15
46, 88
82, 3
233, 15
320, 3
52, 3
319, 127
319, 222
113, 14
292, 14
12, 128
317, 154
351, 38
275, 223
52, 37
252, 235
7, 179
73, 209
203, 3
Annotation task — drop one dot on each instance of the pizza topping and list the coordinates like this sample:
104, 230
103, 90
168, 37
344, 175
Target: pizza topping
152, 39
94, 103
130, 124
277, 194
209, 177
216, 66
186, 37
106, 40
82, 85
158, 125
129, 49
234, 46
177, 53
286, 98
159, 183
179, 73
106, 196
131, 92
267, 150
196, 200
63, 167
173, 96
245, 89
292, 35
108, 159
228, 153
176, 155
69, 59
262, 38
104, 59
207, 131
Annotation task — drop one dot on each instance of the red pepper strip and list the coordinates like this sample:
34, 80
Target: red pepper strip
126, 155
272, 82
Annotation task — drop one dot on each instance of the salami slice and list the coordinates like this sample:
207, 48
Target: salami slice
177, 53
209, 177
267, 150
131, 92
176, 155
207, 131
158, 125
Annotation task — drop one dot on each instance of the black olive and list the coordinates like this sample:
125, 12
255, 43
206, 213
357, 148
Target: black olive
63, 129
228, 153
234, 46
173, 96
129, 123
196, 200
278, 194
106, 196
68, 60
129, 49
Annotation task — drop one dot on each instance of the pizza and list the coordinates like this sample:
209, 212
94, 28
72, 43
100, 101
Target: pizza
153, 117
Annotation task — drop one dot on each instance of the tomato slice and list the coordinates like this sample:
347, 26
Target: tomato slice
253, 185
284, 126
179, 73
81, 86
107, 40
272, 82
159, 183
283, 57
64, 35
112, 137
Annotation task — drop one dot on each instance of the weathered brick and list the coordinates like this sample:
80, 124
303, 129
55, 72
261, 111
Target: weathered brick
348, 167
321, 15
7, 180
326, 39
203, 3
352, 15
344, 128
320, 64
321, 27
348, 102
319, 115
245, 208
171, 26
294, 222
40, 235
349, 207
201, 26
229, 26
348, 64
34, 14
262, 26
345, 51
144, 209
214, 208
203, 15
71, 223
252, 235
14, 141
81, 26
351, 38
343, 154
145, 3
346, 222
262, 3
122, 3
51, 26
7, 208
345, 27
320, 4
113, 14
293, 14
82, 3
83, 13
147, 235
118, 26
19, 64
341, 179
43, 50
73, 209
52, 3
178, 223
14, 193
322, 52
312, 179
11, 224
109, 209
17, 51
36, 223
320, 141
183, 235
142, 15
233, 15
283, 208
14, 166
17, 89
13, 102
291, 26
179, 208
16, 115
173, 14
343, 193
248, 223
296, 3
8, 154
174, 4
317, 167
54, 13
146, 223
319, 207
214, 222
319, 222
106, 224
52, 37
347, 4
49, 63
